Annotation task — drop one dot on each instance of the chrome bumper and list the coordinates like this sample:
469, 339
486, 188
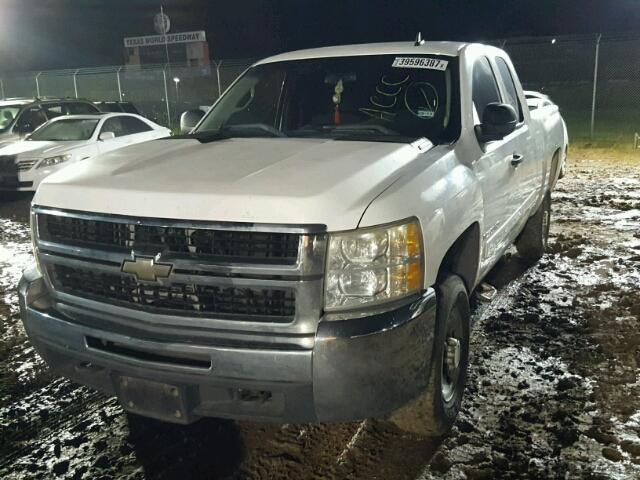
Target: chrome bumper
357, 368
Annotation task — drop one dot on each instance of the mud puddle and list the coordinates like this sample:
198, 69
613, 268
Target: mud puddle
553, 390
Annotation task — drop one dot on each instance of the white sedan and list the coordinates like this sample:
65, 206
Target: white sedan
67, 140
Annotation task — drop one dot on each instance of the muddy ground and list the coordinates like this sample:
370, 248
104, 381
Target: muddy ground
553, 389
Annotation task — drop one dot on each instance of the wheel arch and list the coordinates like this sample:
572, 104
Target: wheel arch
555, 168
463, 258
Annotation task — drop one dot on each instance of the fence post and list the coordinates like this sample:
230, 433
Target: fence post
75, 83
166, 95
2, 88
218, 65
595, 85
118, 80
37, 85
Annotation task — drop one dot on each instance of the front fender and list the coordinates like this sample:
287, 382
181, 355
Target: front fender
443, 193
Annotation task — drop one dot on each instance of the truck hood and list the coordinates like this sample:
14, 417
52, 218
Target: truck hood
37, 149
258, 180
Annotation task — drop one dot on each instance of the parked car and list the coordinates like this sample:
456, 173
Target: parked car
21, 116
67, 140
113, 106
305, 254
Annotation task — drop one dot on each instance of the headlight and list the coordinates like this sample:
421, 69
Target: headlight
373, 265
51, 161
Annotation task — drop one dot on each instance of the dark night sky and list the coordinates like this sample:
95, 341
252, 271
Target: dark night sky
44, 34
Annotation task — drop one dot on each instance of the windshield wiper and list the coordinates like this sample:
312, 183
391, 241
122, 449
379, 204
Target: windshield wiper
354, 133
354, 128
205, 136
248, 128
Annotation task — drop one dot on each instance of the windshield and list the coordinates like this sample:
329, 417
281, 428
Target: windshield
7, 116
381, 97
66, 130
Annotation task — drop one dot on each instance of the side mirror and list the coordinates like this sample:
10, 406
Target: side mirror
190, 119
498, 121
106, 136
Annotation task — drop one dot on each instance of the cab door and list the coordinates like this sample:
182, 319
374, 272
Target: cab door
495, 168
528, 167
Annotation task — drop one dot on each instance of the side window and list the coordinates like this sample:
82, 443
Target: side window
485, 88
30, 119
111, 107
511, 92
129, 108
53, 110
113, 125
133, 125
80, 108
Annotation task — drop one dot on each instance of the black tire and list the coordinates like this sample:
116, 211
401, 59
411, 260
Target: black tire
563, 168
554, 174
532, 242
433, 412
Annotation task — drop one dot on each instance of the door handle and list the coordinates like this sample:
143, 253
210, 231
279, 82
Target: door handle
516, 159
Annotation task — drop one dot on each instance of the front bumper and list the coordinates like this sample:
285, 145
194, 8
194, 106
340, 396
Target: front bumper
357, 368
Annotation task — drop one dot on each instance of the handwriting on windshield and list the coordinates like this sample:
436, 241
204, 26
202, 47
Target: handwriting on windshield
384, 101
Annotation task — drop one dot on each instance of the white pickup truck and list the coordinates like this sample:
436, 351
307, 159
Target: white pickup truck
307, 252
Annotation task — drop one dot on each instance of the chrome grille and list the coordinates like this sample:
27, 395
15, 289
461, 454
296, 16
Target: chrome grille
24, 165
228, 279
226, 302
227, 246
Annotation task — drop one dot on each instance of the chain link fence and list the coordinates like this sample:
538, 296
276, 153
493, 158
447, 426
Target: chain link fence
160, 92
595, 80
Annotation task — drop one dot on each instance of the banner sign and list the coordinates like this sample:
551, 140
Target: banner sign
153, 40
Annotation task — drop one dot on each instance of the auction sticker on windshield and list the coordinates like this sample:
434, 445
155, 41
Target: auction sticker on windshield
420, 62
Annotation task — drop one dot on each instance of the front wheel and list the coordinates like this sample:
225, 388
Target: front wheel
434, 412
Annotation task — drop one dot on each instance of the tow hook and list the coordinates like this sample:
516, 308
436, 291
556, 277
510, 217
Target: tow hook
453, 353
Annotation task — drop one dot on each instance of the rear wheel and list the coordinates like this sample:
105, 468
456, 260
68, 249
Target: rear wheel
532, 242
434, 412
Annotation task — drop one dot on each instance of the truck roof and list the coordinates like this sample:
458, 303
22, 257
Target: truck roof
392, 48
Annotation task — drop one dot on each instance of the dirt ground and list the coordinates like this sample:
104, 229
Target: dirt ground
553, 392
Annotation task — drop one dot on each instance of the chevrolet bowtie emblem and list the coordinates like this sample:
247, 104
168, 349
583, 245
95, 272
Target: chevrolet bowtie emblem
146, 269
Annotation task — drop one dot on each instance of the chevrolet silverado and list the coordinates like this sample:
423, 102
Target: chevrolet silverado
307, 251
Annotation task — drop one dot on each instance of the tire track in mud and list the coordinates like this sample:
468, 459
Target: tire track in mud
20, 367
60, 405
